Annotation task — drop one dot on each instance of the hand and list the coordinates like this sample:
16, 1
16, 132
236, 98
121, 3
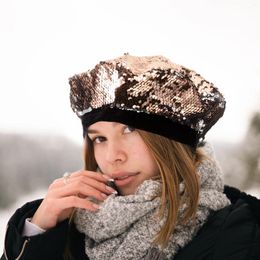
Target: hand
62, 198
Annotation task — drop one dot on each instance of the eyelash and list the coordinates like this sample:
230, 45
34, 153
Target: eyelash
94, 139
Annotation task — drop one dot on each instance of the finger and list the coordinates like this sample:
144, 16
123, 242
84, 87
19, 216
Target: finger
81, 191
92, 188
84, 180
91, 174
76, 202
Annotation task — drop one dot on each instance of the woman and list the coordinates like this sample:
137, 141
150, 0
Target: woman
151, 188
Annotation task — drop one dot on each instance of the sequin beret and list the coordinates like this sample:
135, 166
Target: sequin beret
148, 93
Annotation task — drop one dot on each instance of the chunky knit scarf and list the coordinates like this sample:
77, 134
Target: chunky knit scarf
125, 226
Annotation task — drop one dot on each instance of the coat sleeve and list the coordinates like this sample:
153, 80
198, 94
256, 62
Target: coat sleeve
49, 245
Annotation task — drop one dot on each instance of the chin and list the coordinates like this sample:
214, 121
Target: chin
125, 192
128, 190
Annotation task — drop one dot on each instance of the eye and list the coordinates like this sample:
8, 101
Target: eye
128, 129
98, 139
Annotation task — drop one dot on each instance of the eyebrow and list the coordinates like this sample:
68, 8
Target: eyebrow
94, 131
90, 131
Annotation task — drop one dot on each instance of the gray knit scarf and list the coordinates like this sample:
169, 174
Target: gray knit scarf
125, 226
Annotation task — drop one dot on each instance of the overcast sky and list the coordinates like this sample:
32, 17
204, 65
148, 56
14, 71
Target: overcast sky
44, 42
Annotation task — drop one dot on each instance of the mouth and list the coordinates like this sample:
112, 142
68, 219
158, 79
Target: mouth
124, 179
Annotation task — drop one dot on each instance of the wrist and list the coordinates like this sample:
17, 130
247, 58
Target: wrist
39, 223
30, 229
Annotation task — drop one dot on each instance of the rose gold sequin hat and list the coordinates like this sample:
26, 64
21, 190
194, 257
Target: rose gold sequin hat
148, 93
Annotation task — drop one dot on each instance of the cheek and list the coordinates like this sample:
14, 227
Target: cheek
144, 158
98, 157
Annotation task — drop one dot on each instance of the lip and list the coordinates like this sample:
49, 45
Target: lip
124, 178
122, 175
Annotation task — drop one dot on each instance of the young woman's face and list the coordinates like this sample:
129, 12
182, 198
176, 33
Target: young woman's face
121, 153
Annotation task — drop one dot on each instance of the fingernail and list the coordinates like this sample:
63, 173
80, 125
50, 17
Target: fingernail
111, 190
108, 178
96, 206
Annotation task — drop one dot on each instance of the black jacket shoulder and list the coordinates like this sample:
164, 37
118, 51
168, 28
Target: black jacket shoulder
232, 233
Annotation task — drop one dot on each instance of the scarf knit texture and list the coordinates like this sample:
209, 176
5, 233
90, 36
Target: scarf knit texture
125, 226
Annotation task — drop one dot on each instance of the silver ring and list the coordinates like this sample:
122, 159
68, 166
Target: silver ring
66, 176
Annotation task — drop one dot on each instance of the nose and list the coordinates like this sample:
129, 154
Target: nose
115, 153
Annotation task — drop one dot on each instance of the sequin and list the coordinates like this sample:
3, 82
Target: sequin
151, 85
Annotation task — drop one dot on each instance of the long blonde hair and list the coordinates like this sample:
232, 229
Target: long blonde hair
177, 164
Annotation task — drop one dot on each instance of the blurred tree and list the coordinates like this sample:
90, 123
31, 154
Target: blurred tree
250, 153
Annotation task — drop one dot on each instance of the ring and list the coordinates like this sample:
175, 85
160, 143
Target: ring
66, 176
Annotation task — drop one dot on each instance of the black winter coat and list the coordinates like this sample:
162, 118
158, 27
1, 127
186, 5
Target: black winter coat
232, 233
